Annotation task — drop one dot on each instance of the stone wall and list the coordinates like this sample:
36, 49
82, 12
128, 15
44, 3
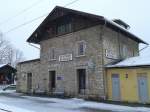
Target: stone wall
22, 70
114, 43
67, 44
97, 39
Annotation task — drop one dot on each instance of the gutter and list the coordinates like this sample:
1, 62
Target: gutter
144, 48
34, 46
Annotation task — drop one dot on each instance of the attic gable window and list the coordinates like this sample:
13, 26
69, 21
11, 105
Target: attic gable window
64, 28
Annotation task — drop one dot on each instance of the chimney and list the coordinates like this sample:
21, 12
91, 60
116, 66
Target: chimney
121, 23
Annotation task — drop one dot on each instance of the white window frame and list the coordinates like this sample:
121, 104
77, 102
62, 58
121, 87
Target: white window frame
84, 48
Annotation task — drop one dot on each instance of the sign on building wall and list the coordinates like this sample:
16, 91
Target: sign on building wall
66, 57
60, 78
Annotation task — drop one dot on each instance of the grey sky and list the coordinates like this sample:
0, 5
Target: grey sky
134, 12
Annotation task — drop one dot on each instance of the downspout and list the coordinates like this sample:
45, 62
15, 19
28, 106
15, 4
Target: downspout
119, 44
103, 71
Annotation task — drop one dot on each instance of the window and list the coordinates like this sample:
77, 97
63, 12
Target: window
29, 82
52, 79
64, 28
52, 54
125, 51
81, 48
81, 75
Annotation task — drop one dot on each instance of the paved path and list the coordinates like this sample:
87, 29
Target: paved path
40, 105
15, 101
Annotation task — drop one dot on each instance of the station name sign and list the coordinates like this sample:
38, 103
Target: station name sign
66, 57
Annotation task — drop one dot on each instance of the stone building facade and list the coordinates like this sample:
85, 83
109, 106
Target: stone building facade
75, 47
26, 71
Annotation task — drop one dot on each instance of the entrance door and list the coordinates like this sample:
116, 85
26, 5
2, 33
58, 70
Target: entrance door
52, 79
29, 82
143, 89
81, 80
115, 87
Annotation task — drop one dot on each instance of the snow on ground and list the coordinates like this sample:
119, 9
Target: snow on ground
8, 91
6, 108
19, 103
3, 86
80, 103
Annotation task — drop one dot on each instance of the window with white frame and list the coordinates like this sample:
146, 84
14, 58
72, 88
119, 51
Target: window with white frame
81, 48
52, 54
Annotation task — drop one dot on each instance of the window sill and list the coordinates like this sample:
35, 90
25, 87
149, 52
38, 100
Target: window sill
80, 56
52, 60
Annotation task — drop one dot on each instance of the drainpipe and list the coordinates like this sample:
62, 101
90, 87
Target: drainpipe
101, 36
119, 44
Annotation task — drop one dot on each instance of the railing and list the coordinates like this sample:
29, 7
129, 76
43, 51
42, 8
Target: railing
3, 86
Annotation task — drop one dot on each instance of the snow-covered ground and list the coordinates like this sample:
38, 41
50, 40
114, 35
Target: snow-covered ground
15, 102
8, 108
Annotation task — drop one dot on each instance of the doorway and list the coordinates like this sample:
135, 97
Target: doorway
143, 89
115, 87
81, 73
29, 82
52, 80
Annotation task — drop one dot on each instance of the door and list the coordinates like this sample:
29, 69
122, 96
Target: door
29, 82
115, 87
81, 80
143, 89
52, 80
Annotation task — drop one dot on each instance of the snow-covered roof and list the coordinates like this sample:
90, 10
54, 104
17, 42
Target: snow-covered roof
133, 61
1, 65
7, 67
125, 30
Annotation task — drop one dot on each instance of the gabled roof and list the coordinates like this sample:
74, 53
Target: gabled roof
2, 65
132, 62
7, 67
34, 39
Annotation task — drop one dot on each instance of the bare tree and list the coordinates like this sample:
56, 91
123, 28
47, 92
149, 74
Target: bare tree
17, 57
9, 54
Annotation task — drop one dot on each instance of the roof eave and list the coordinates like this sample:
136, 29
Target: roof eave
130, 66
124, 30
30, 39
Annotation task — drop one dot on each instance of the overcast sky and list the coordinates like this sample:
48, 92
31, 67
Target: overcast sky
133, 12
